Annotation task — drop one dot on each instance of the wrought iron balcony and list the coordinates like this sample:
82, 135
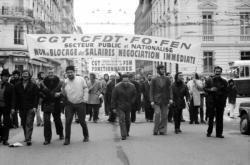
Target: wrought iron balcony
245, 38
207, 37
20, 12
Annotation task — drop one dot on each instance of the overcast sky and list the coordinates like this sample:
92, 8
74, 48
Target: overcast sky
94, 15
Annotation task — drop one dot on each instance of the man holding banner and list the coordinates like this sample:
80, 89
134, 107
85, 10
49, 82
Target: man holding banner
160, 96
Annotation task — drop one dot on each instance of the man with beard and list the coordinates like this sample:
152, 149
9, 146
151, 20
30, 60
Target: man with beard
6, 106
216, 89
136, 107
180, 90
14, 116
160, 97
26, 96
74, 90
51, 91
149, 111
123, 98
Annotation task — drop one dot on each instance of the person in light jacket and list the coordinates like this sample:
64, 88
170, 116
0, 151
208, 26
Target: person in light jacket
195, 87
95, 93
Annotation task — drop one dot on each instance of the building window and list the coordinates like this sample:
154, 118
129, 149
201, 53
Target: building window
207, 26
245, 55
208, 61
19, 35
245, 26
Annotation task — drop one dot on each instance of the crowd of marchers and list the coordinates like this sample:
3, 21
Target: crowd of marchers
161, 97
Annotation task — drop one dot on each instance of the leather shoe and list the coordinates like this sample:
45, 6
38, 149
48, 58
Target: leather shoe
162, 133
66, 142
29, 143
155, 133
46, 142
123, 138
86, 139
219, 136
208, 135
5, 143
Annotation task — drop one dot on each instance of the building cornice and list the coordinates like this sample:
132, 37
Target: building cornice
243, 6
207, 5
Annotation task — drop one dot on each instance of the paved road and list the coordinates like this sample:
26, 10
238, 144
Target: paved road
191, 147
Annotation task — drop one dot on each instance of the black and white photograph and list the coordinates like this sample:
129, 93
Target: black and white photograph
124, 82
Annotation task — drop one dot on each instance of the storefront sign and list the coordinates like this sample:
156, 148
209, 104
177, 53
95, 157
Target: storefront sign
112, 46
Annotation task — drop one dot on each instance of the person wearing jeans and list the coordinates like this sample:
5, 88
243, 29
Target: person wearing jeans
75, 91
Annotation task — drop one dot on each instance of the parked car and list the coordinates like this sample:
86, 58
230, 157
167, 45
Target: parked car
244, 112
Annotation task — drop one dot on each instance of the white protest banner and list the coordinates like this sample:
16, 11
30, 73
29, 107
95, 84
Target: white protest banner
111, 65
112, 46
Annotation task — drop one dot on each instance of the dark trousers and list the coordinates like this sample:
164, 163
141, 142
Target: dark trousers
106, 106
47, 123
171, 113
112, 116
5, 123
133, 114
149, 111
124, 121
94, 111
193, 112
14, 117
201, 108
177, 117
27, 120
80, 109
217, 112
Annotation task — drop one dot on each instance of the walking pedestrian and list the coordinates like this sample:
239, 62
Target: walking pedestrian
180, 93
137, 103
14, 116
160, 96
232, 94
195, 88
74, 90
149, 111
95, 90
216, 89
123, 98
40, 78
26, 96
104, 90
51, 89
6, 106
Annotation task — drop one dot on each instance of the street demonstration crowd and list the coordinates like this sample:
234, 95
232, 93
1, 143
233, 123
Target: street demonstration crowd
162, 97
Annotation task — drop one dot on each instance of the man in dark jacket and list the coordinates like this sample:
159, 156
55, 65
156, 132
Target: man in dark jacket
180, 91
51, 89
114, 79
160, 96
6, 105
26, 96
216, 89
14, 116
149, 111
136, 106
123, 98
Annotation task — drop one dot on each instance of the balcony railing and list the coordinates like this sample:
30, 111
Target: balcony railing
15, 12
208, 38
245, 38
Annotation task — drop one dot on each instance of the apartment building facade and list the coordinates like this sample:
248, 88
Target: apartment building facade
21, 17
221, 27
